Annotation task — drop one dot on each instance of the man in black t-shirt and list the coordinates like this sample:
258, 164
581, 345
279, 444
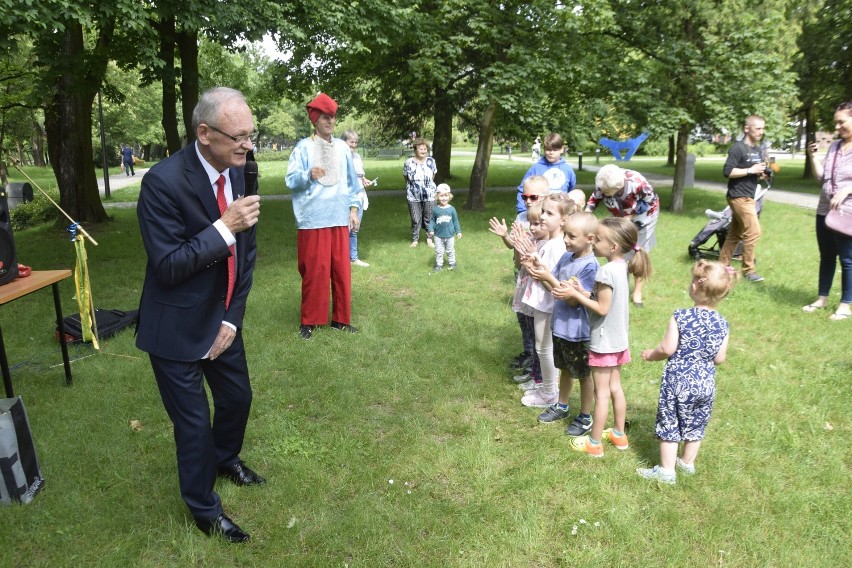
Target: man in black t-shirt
744, 169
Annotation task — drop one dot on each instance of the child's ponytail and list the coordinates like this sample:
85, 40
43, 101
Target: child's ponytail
640, 265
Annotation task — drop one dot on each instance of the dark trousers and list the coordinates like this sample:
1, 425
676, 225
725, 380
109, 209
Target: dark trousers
200, 446
834, 245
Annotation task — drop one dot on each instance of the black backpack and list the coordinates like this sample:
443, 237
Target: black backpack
109, 322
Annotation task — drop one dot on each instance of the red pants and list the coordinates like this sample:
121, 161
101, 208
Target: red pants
323, 255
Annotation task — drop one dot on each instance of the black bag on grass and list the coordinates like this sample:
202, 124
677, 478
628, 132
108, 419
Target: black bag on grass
20, 474
109, 323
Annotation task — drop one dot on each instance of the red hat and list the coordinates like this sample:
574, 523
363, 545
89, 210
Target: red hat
322, 104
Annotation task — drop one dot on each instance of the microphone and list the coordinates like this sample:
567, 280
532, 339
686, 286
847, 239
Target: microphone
250, 172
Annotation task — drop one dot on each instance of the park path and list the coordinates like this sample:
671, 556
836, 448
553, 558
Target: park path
120, 181
807, 201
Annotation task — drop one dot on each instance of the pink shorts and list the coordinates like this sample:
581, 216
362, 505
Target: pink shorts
609, 359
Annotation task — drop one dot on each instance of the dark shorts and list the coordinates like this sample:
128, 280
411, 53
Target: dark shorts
571, 356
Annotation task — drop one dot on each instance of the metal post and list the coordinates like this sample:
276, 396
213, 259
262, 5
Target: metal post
597, 155
580, 160
103, 146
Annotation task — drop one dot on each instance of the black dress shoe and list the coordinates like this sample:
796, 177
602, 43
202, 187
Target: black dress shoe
306, 331
240, 474
222, 526
344, 327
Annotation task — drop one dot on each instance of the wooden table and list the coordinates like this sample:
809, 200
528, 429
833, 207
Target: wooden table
21, 287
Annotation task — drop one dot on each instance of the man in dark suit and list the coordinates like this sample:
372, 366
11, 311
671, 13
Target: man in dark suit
198, 230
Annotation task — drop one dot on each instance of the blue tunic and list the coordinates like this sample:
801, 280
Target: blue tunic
318, 206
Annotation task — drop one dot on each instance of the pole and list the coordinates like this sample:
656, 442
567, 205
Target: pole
103, 146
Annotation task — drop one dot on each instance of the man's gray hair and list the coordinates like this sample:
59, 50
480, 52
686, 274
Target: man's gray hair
210, 103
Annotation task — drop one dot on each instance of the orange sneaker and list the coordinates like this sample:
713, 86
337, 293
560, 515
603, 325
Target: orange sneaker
620, 442
584, 444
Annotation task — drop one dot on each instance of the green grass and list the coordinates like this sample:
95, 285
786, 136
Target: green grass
42, 176
422, 396
502, 173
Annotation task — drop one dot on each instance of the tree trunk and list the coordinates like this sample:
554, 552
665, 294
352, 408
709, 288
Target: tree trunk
4, 173
442, 143
676, 205
671, 161
479, 175
810, 134
188, 49
68, 123
38, 144
167, 54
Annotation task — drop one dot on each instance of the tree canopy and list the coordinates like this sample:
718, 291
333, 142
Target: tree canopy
510, 71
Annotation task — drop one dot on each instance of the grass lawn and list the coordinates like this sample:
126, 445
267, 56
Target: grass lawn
502, 173
406, 445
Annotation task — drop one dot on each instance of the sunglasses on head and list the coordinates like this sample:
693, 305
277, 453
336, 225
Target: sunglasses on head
532, 198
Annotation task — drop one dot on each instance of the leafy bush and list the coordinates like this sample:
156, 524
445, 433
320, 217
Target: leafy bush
702, 148
35, 212
654, 147
273, 155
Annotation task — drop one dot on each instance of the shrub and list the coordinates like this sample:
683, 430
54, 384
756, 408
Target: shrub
35, 212
702, 148
654, 147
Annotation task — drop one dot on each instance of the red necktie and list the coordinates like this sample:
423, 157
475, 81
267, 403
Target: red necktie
232, 260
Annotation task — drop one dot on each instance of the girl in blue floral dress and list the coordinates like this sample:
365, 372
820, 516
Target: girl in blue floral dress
695, 342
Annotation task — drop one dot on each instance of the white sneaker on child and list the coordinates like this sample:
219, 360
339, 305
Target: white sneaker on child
686, 469
539, 399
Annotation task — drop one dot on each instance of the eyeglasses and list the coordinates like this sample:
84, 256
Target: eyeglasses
238, 139
528, 197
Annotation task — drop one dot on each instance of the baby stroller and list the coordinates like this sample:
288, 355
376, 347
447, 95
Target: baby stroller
709, 240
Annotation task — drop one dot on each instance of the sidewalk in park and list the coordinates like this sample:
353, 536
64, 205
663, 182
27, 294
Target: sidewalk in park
120, 181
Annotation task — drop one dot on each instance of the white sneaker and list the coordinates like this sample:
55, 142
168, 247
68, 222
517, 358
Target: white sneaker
529, 385
522, 378
539, 399
359, 262
657, 473
685, 468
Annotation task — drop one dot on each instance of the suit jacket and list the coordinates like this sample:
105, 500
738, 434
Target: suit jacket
186, 276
